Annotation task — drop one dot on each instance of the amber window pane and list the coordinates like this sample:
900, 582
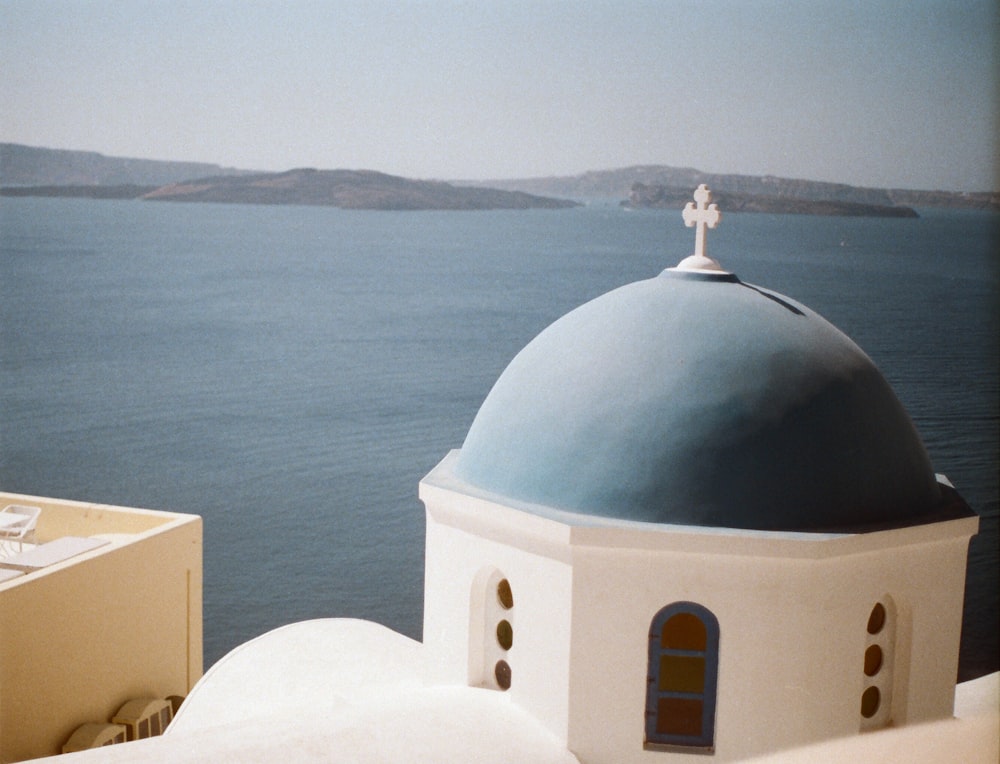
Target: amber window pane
684, 631
682, 673
873, 660
505, 595
502, 673
877, 619
505, 634
870, 701
678, 716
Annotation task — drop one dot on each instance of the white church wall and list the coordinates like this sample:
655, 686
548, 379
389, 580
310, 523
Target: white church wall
792, 609
792, 643
762, 656
926, 581
461, 645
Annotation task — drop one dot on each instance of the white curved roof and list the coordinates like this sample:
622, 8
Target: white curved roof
352, 691
338, 690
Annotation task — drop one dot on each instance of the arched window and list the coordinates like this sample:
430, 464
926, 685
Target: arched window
880, 644
682, 678
491, 632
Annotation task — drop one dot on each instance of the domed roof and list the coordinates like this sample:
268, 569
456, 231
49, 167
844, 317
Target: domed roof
692, 398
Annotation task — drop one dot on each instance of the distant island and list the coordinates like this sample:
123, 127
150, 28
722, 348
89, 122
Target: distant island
31, 166
27, 171
350, 189
347, 189
32, 171
662, 197
619, 184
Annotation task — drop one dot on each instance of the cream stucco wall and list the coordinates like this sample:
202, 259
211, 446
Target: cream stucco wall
81, 637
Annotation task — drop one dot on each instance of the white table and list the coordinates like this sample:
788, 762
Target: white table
50, 553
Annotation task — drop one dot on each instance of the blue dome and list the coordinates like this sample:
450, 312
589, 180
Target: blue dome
695, 399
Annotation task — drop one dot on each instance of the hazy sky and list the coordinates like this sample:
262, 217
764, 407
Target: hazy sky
897, 93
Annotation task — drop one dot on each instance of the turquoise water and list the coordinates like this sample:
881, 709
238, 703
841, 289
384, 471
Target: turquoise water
290, 373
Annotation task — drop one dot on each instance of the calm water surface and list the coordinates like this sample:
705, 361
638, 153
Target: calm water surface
290, 373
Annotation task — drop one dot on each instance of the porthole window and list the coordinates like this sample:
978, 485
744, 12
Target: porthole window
502, 674
505, 634
870, 702
682, 678
504, 595
876, 620
873, 660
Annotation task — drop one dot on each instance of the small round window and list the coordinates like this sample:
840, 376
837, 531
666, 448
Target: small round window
873, 660
502, 673
505, 634
505, 595
877, 619
870, 701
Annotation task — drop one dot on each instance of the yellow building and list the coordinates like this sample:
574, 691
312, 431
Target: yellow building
102, 606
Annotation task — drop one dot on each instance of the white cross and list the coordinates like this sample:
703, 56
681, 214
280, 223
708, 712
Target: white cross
701, 217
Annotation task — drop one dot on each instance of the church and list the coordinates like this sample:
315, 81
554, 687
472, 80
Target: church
691, 519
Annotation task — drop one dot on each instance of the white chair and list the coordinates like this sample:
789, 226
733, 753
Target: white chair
17, 524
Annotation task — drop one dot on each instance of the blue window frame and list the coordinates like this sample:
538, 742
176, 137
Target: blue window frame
682, 678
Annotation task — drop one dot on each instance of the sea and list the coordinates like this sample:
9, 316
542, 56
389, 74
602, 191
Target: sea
291, 373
